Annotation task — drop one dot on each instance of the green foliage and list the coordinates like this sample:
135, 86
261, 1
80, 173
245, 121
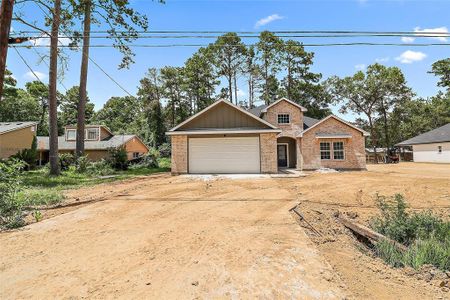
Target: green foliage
426, 235
82, 164
37, 215
119, 113
11, 215
66, 160
118, 158
37, 197
28, 156
149, 160
68, 107
441, 68
100, 168
164, 163
165, 150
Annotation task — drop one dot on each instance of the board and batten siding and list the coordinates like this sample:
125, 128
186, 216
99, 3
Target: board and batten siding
430, 153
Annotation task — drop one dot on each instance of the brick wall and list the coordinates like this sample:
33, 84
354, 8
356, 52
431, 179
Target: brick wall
284, 107
179, 154
268, 144
354, 148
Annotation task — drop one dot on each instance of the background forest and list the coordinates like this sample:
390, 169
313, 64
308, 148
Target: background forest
272, 68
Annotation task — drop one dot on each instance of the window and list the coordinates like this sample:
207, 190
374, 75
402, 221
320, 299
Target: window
338, 150
71, 134
439, 149
284, 118
325, 150
92, 134
136, 154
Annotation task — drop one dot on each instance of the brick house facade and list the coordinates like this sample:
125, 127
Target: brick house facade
224, 138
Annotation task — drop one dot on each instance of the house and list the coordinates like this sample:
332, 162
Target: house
432, 146
16, 136
98, 140
382, 153
225, 138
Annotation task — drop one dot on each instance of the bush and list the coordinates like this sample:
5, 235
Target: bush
11, 215
82, 164
165, 150
100, 168
66, 160
29, 156
426, 235
40, 197
118, 158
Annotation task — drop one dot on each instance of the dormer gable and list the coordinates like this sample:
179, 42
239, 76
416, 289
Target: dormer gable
284, 114
91, 133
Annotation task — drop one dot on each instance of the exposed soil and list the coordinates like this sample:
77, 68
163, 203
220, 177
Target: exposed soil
176, 237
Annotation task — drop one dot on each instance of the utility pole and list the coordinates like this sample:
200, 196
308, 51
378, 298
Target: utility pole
5, 24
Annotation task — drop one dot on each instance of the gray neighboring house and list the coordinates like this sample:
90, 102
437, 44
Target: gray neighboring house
432, 146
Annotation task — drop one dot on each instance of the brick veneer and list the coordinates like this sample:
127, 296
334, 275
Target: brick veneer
354, 148
268, 144
179, 154
283, 107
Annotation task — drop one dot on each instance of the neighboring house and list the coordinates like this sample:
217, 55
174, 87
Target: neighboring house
16, 136
431, 146
224, 138
98, 140
403, 155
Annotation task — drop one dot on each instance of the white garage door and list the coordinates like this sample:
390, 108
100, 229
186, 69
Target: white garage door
224, 155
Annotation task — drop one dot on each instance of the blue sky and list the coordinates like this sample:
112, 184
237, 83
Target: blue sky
233, 15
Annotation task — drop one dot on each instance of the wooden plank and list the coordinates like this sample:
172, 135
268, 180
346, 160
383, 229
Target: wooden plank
369, 233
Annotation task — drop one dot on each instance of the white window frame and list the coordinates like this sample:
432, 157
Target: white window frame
136, 156
87, 134
343, 150
329, 150
67, 134
284, 114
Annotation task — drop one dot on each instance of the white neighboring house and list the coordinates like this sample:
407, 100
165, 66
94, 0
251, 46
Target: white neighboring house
432, 146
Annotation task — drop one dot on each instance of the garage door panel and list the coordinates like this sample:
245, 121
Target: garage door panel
224, 155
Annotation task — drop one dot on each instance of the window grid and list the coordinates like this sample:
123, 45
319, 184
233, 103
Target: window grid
338, 150
325, 150
284, 119
92, 134
71, 134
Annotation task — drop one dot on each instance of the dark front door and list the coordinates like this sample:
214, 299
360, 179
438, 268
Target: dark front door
282, 156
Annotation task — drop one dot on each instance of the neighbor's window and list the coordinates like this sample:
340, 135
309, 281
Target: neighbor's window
71, 134
92, 134
284, 119
325, 150
439, 149
135, 154
338, 150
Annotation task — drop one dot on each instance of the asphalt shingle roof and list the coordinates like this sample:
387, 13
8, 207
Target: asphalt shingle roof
11, 126
112, 142
438, 135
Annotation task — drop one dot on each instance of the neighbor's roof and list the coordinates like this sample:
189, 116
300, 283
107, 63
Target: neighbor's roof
112, 142
438, 135
11, 126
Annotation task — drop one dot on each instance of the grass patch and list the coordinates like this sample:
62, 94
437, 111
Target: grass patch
426, 235
40, 197
164, 162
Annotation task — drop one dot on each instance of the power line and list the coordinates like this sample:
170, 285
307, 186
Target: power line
205, 45
259, 32
26, 63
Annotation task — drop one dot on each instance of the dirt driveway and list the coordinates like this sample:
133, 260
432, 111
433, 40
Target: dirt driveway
170, 237
175, 237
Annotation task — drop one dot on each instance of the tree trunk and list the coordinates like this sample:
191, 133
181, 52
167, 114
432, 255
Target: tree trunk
289, 76
5, 25
235, 89
230, 87
81, 117
52, 82
386, 129
374, 139
250, 92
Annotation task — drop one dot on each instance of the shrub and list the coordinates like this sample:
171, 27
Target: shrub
28, 156
426, 235
165, 150
118, 158
66, 160
11, 215
100, 168
82, 164
40, 197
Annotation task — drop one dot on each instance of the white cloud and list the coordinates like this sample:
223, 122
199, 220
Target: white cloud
382, 59
45, 41
438, 32
360, 66
30, 76
241, 93
407, 39
267, 20
409, 57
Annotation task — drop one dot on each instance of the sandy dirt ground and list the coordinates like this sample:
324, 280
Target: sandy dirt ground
177, 237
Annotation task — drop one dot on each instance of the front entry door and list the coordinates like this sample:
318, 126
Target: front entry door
282, 156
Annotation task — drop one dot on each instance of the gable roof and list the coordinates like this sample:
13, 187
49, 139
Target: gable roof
308, 122
365, 133
11, 126
438, 135
257, 110
113, 142
90, 126
287, 100
171, 131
